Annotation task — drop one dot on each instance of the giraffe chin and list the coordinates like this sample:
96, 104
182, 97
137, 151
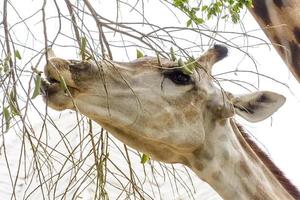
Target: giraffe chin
56, 96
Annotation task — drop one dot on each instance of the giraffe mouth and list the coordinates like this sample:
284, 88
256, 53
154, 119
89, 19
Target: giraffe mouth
47, 83
57, 77
50, 80
50, 86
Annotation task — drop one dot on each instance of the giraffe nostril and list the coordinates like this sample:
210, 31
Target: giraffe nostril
76, 64
74, 61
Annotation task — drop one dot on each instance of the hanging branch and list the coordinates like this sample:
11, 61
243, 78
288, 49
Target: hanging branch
102, 37
73, 21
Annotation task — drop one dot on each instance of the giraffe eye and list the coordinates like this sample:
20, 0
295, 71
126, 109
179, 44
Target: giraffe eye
178, 77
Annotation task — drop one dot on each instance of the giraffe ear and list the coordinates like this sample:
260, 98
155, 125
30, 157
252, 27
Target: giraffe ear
257, 106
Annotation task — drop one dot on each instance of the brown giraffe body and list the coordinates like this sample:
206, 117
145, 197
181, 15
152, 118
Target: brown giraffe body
280, 20
157, 109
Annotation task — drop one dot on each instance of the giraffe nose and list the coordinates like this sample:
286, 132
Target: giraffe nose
58, 70
78, 65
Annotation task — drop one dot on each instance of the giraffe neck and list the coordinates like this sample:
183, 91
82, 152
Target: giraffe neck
279, 19
229, 165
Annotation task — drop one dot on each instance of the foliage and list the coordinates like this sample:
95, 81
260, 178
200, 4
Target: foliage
213, 9
139, 54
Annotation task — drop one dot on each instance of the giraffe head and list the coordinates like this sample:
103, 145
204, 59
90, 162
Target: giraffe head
151, 104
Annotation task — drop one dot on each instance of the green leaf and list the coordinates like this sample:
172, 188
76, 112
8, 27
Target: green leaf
249, 3
145, 158
189, 67
12, 95
6, 115
173, 57
199, 21
195, 9
37, 88
13, 103
189, 23
224, 16
158, 59
6, 67
18, 55
83, 45
186, 70
14, 109
62, 83
180, 62
204, 8
139, 54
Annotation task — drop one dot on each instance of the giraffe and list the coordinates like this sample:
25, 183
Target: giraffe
279, 19
151, 105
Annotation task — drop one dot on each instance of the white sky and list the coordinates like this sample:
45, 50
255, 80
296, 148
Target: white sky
280, 135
